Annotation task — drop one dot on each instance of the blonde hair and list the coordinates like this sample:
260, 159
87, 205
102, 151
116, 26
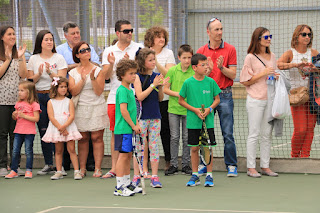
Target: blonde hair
54, 88
296, 33
32, 93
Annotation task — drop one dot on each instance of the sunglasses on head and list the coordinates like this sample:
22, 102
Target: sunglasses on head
84, 50
306, 34
266, 37
127, 31
212, 20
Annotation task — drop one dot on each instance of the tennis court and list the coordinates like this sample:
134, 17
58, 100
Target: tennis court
287, 193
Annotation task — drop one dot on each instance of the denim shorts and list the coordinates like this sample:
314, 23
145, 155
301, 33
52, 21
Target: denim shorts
123, 143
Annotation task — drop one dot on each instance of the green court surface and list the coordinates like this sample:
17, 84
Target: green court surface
286, 193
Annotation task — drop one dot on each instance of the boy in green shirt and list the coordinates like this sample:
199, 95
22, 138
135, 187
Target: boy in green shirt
125, 124
196, 91
176, 113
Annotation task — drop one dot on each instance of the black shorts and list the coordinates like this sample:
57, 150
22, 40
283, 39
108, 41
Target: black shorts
193, 137
123, 143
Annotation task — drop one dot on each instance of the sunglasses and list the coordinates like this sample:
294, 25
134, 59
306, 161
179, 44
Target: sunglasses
127, 31
84, 50
212, 20
266, 37
306, 34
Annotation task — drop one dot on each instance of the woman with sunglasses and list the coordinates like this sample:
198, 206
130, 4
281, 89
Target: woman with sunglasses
44, 64
258, 65
12, 68
91, 117
298, 60
156, 38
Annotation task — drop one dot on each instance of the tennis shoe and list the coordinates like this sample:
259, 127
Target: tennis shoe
136, 181
46, 170
64, 173
172, 170
57, 176
135, 189
209, 181
194, 181
202, 170
155, 182
186, 170
123, 191
77, 175
232, 171
28, 175
11, 175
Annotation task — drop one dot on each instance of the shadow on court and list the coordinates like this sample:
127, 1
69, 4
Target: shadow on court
286, 193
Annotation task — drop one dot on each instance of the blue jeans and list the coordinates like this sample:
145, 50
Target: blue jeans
17, 144
225, 111
47, 148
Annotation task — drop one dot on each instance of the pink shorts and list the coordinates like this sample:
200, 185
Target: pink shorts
112, 116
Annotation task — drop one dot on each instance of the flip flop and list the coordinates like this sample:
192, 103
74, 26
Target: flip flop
109, 175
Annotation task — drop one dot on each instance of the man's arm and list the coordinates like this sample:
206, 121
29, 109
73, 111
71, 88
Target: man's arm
230, 72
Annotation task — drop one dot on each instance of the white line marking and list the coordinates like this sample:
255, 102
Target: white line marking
49, 210
277, 146
165, 209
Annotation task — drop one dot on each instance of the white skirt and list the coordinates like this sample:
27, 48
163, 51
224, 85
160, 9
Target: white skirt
91, 118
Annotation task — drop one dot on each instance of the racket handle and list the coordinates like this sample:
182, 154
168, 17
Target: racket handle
143, 186
202, 108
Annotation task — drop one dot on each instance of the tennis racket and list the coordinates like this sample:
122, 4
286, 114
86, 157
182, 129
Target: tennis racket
205, 143
138, 152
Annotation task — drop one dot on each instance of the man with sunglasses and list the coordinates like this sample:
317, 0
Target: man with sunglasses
72, 34
222, 60
124, 48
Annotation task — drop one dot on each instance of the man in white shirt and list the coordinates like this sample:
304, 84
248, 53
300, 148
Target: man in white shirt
124, 48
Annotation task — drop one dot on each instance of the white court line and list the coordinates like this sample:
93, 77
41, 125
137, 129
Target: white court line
161, 209
277, 146
49, 210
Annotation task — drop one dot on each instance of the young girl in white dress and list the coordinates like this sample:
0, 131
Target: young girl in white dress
61, 126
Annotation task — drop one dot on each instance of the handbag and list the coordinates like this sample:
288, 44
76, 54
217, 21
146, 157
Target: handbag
299, 96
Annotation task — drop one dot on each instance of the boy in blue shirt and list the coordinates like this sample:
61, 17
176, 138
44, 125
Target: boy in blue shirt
125, 124
197, 90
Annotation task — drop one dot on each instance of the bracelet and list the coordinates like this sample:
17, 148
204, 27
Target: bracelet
154, 87
49, 73
210, 109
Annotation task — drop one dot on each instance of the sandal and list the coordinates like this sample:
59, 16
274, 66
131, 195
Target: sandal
109, 175
97, 173
147, 175
83, 172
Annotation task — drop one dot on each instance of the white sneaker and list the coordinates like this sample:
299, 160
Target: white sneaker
46, 170
123, 191
133, 188
77, 175
3, 172
64, 173
20, 172
57, 176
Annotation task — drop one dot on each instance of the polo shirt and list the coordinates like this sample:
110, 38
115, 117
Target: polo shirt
229, 59
177, 78
66, 51
118, 54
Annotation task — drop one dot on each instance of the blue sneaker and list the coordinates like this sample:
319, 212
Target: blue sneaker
155, 182
194, 181
136, 180
209, 182
232, 171
202, 170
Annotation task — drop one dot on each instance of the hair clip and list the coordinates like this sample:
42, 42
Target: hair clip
137, 53
55, 81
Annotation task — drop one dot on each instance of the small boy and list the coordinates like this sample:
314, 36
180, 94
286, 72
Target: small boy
125, 124
199, 90
176, 113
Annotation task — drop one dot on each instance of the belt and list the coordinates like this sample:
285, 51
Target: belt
43, 91
226, 90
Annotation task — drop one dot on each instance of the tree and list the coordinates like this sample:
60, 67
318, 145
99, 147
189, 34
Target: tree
3, 2
150, 15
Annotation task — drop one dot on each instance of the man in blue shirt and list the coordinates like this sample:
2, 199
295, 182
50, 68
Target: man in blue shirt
72, 34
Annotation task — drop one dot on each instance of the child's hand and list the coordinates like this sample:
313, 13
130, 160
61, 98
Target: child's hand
65, 132
164, 81
21, 115
199, 113
137, 129
205, 113
158, 80
15, 115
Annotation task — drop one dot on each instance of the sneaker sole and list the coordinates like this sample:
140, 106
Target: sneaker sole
156, 186
56, 178
10, 177
186, 173
232, 175
118, 194
196, 184
208, 185
27, 177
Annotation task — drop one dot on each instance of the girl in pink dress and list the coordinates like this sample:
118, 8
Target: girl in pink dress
61, 126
